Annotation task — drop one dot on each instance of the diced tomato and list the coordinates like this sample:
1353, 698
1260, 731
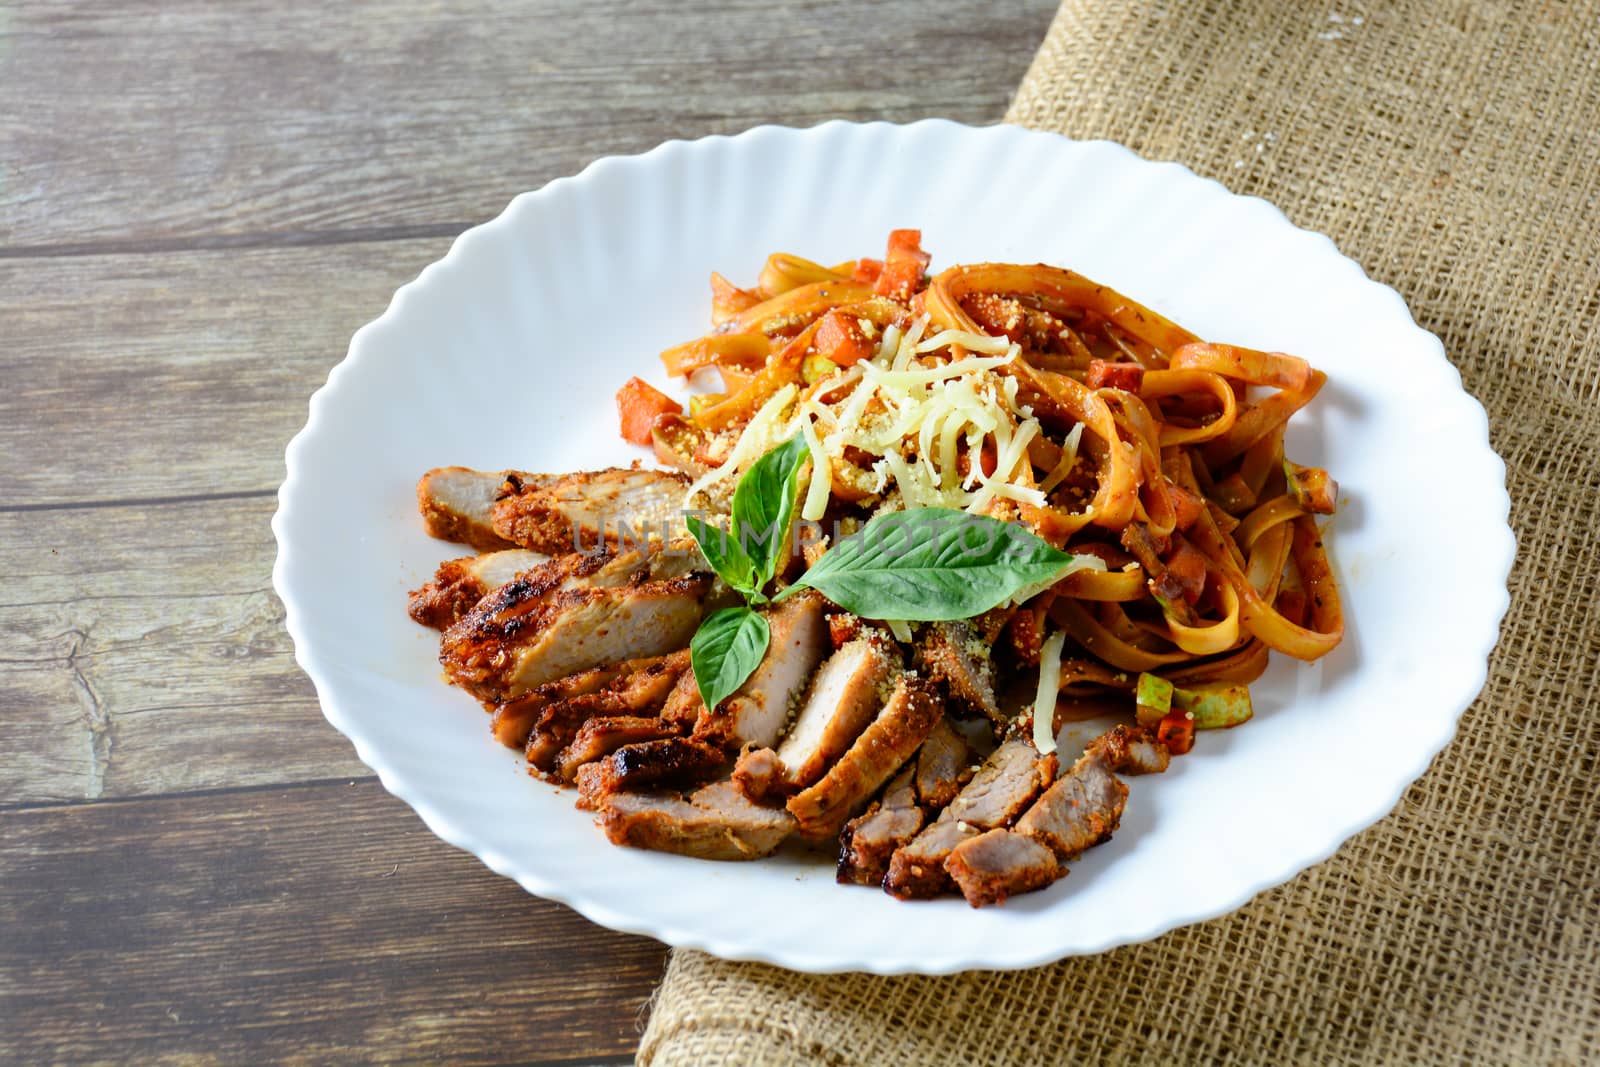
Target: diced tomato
867, 270
639, 404
1185, 505
1187, 567
1176, 731
903, 265
841, 339
1106, 374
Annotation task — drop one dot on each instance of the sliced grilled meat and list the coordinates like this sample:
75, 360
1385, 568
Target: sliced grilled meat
759, 773
902, 725
523, 635
605, 734
718, 823
640, 690
458, 584
954, 656
1082, 809
457, 504
1004, 786
843, 698
916, 869
867, 841
757, 712
1132, 750
582, 511
669, 762
944, 765
1002, 789
998, 863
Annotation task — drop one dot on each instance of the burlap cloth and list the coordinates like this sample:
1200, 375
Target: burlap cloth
1454, 150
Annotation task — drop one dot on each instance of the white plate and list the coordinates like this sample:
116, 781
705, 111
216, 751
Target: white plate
506, 354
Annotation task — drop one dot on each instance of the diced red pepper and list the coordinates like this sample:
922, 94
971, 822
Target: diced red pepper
867, 270
903, 265
1176, 731
1185, 505
639, 404
1108, 374
841, 339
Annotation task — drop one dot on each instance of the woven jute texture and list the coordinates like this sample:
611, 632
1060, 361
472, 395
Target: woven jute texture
1454, 150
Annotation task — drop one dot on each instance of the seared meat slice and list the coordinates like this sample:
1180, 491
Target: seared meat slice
582, 511
867, 841
458, 584
756, 713
605, 734
916, 869
683, 706
671, 761
953, 655
944, 765
520, 636
1001, 790
994, 865
716, 823
1004, 786
904, 723
759, 774
514, 719
844, 696
457, 504
1080, 810
639, 691
1132, 750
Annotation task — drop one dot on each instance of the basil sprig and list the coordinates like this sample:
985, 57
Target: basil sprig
730, 643
933, 564
918, 565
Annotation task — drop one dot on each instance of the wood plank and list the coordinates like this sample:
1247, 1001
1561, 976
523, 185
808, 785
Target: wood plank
145, 653
130, 124
315, 924
176, 374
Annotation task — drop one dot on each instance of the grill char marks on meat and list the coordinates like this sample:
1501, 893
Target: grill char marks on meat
757, 712
998, 863
583, 511
1082, 809
626, 688
955, 657
907, 717
867, 841
717, 822
459, 584
1132, 750
1002, 789
604, 735
670, 762
554, 621
641, 690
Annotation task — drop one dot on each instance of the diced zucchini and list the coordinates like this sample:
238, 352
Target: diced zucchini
1153, 696
1215, 707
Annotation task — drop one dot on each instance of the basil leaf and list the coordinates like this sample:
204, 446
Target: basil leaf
932, 564
725, 650
722, 551
763, 506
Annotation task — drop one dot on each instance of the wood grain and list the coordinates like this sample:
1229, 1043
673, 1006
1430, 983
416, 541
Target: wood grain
314, 924
177, 374
145, 653
189, 124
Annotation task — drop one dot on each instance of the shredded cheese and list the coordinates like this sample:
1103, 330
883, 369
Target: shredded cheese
1044, 701
756, 440
816, 502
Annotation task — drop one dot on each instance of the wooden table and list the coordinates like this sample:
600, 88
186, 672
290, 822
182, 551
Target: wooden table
199, 203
